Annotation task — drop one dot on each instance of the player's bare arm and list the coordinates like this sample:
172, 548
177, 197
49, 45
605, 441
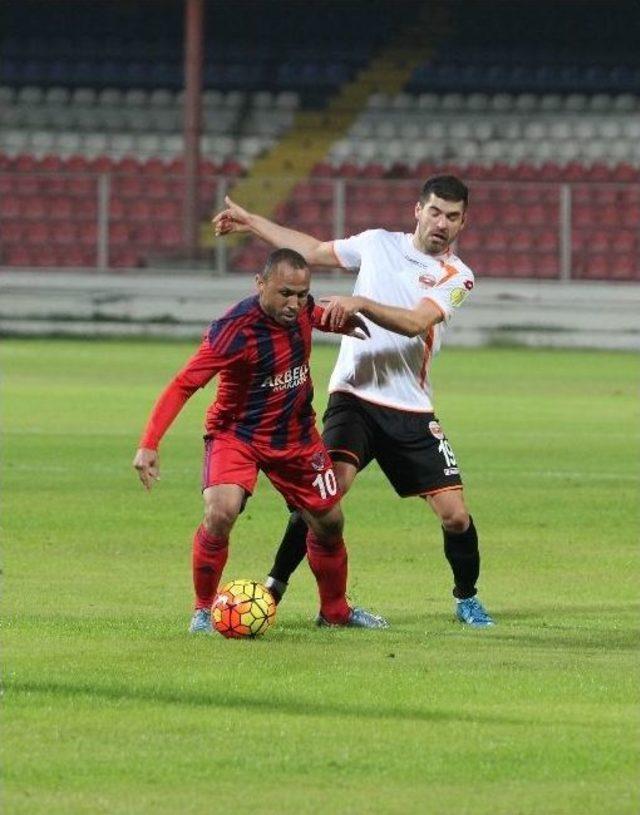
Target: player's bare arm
236, 219
408, 322
147, 463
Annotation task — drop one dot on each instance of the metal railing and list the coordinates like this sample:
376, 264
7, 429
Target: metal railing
112, 221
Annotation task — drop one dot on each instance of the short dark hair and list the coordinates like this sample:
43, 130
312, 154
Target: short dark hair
448, 187
288, 256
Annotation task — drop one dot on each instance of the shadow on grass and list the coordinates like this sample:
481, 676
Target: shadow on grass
226, 698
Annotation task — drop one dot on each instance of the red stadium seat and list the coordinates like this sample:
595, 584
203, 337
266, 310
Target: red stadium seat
64, 234
50, 164
117, 209
7, 183
521, 240
82, 186
16, 256
77, 164
88, 235
547, 266
523, 264
625, 172
25, 163
497, 240
45, 256
60, 207
547, 240
144, 236
35, 207
118, 234
129, 186
25, 184
125, 258
166, 210
11, 231
497, 264
37, 234
128, 165
623, 241
170, 236
139, 210
625, 267
101, 164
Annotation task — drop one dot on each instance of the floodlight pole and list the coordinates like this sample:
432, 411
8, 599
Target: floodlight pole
193, 59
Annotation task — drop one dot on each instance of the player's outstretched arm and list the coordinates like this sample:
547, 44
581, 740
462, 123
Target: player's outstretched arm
406, 321
236, 219
147, 463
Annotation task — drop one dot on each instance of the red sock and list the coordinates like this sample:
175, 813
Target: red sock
209, 556
328, 562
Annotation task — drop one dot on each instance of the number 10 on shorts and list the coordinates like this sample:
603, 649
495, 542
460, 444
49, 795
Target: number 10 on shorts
326, 484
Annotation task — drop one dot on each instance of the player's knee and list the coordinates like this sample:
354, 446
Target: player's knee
332, 529
218, 520
455, 520
329, 527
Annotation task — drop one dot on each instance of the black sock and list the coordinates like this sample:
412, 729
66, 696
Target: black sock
461, 550
292, 549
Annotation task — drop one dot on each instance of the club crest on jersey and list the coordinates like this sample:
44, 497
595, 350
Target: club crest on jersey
458, 296
436, 431
317, 461
292, 378
427, 281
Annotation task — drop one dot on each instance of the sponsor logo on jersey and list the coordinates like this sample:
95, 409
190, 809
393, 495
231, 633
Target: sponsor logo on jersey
458, 296
436, 431
468, 284
292, 378
415, 261
427, 280
317, 461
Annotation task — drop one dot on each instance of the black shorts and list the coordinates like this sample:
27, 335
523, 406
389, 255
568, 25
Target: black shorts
410, 448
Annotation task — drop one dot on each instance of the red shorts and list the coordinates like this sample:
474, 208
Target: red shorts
303, 474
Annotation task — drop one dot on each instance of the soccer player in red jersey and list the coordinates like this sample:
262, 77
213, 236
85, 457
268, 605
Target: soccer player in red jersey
262, 419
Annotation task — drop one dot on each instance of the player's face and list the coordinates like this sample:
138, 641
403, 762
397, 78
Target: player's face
284, 293
438, 224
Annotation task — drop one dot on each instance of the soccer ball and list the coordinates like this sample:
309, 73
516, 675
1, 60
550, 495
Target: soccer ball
243, 608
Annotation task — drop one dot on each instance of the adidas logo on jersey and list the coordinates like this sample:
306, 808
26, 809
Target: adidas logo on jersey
292, 378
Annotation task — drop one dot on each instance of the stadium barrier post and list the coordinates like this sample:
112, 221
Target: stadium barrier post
104, 192
565, 232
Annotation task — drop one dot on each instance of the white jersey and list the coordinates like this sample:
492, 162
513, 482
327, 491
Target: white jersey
390, 369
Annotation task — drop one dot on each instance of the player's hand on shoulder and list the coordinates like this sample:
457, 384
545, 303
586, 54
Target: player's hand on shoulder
356, 327
232, 219
339, 309
147, 464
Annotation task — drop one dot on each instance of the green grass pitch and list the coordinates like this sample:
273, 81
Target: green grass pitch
110, 707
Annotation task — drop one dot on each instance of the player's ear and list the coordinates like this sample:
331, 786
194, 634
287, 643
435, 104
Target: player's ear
259, 282
418, 209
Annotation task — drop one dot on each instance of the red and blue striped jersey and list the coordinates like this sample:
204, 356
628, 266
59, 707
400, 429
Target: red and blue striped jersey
265, 390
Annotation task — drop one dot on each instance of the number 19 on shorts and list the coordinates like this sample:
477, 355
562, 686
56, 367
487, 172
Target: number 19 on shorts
326, 484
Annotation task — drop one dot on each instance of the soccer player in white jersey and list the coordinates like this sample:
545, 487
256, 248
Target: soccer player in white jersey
380, 405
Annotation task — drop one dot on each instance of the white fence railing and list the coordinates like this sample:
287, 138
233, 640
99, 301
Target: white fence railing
515, 229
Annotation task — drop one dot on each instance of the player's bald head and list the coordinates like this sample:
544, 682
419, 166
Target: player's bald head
283, 259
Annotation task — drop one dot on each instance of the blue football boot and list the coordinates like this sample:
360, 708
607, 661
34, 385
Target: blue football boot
473, 613
201, 622
358, 618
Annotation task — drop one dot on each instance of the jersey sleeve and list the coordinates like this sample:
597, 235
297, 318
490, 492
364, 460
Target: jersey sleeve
348, 251
216, 351
451, 292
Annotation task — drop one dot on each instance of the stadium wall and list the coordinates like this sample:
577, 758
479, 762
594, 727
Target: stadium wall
531, 313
